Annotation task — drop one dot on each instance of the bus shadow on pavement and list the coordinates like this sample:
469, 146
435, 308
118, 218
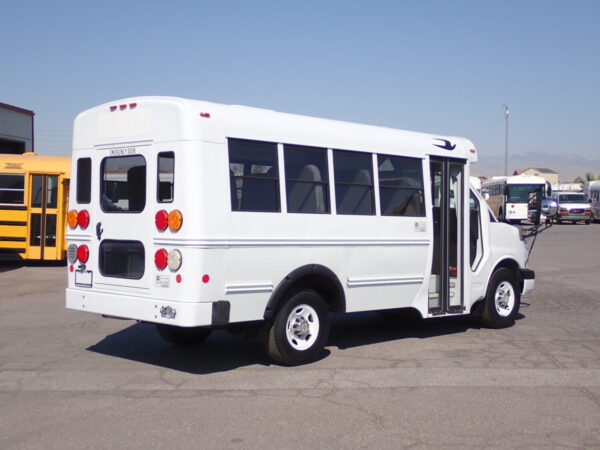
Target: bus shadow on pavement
223, 351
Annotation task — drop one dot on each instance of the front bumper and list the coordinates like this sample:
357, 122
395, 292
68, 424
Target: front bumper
577, 217
527, 280
183, 314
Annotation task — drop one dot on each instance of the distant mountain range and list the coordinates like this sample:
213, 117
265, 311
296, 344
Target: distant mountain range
568, 166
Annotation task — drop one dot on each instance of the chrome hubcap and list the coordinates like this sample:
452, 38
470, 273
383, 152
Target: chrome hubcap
302, 327
504, 298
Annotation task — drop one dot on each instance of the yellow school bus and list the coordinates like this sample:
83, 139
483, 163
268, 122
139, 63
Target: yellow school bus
34, 192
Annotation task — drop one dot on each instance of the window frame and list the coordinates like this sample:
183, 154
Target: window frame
371, 186
158, 198
275, 178
22, 175
382, 186
88, 185
323, 183
101, 180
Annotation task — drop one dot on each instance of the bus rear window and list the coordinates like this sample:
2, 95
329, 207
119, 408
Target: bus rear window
84, 180
12, 188
123, 187
165, 177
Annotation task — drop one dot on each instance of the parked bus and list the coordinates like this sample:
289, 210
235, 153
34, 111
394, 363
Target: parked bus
592, 191
195, 215
514, 199
34, 191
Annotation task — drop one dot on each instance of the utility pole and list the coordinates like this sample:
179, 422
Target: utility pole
506, 114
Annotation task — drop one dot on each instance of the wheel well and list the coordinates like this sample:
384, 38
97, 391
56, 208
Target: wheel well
312, 276
511, 265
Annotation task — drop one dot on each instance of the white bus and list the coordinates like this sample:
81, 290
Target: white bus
195, 216
592, 192
512, 199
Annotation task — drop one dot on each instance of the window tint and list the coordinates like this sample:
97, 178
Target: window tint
12, 188
122, 259
165, 178
306, 179
254, 176
123, 187
84, 180
401, 186
36, 191
52, 191
353, 174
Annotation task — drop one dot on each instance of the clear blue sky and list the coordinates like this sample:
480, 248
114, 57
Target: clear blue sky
434, 66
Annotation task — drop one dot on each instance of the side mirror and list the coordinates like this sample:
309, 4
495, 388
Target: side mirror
549, 207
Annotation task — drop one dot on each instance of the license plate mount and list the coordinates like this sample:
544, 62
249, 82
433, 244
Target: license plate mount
83, 278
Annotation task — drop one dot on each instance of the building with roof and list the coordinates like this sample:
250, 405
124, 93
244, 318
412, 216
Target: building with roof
550, 175
16, 129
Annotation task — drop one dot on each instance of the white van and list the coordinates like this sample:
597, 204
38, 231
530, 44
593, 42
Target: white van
195, 215
573, 207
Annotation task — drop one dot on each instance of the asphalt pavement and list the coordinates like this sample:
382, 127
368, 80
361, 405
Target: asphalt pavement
70, 379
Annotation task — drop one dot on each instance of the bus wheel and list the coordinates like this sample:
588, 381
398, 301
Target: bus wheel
502, 300
183, 335
300, 329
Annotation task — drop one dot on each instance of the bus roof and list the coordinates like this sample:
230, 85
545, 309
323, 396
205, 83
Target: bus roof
516, 179
32, 162
160, 119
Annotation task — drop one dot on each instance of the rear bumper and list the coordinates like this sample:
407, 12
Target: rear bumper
183, 314
528, 280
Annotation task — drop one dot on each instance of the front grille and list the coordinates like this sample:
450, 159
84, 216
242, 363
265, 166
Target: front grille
576, 211
122, 259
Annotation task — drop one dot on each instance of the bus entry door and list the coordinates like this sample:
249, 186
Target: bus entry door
43, 216
447, 274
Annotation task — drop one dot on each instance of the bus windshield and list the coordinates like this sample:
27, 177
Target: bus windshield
520, 193
571, 198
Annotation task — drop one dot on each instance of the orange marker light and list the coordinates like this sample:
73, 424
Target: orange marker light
175, 220
72, 218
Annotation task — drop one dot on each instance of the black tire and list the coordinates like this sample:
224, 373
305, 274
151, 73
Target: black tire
587, 222
289, 340
499, 311
183, 335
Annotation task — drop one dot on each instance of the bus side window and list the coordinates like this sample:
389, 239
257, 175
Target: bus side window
401, 186
165, 178
12, 188
254, 174
84, 180
353, 174
307, 179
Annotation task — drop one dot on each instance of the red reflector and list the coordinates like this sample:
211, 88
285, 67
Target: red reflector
205, 278
132, 105
83, 253
453, 272
205, 114
161, 219
113, 108
160, 258
83, 218
472, 150
178, 278
123, 106
71, 268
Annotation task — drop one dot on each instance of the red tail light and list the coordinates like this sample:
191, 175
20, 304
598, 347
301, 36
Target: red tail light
83, 218
161, 258
161, 219
83, 253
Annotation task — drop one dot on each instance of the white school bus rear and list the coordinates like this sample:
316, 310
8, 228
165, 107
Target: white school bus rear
194, 215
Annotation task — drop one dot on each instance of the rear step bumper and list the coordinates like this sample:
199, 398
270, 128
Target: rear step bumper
183, 314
